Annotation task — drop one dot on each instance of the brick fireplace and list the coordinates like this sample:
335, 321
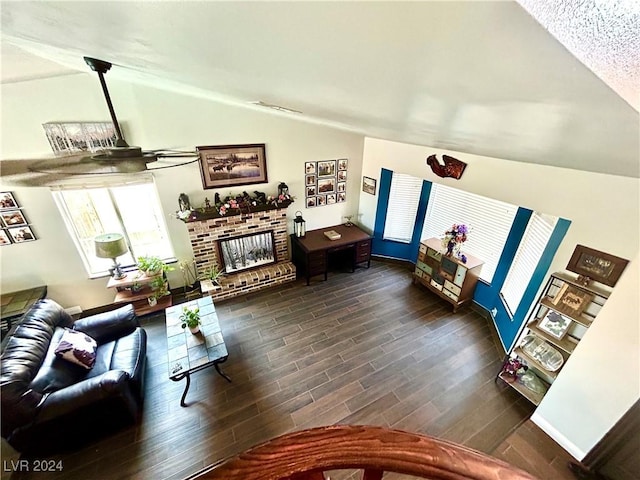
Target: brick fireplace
204, 235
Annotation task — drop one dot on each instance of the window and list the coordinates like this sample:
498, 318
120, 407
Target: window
489, 222
404, 197
532, 246
131, 209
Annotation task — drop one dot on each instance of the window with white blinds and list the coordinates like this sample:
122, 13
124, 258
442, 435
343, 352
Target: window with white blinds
534, 241
404, 197
132, 209
489, 223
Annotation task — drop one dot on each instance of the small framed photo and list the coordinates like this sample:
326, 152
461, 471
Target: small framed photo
13, 218
342, 175
571, 300
342, 197
321, 200
594, 265
331, 198
342, 187
310, 180
22, 234
326, 185
232, 165
311, 202
4, 238
342, 164
369, 185
310, 168
327, 168
554, 324
311, 191
7, 200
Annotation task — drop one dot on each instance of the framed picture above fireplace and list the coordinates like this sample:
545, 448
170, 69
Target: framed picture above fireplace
232, 165
247, 251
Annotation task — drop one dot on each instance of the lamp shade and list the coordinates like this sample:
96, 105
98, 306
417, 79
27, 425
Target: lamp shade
110, 245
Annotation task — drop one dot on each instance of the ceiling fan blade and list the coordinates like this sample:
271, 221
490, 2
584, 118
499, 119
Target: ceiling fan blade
18, 173
92, 166
171, 161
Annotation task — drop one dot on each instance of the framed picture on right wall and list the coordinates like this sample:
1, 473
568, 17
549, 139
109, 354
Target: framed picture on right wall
594, 265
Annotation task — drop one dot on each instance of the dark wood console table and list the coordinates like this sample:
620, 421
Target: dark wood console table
311, 253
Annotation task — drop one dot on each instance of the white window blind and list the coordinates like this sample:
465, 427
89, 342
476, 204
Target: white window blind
534, 241
404, 197
489, 222
131, 209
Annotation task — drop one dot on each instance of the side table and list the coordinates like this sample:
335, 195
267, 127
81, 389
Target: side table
188, 352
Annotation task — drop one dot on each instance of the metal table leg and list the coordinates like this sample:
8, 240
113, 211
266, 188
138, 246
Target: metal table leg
222, 374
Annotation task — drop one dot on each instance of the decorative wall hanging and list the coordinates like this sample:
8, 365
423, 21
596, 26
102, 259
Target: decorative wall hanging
232, 165
72, 137
591, 264
452, 166
325, 182
369, 185
15, 227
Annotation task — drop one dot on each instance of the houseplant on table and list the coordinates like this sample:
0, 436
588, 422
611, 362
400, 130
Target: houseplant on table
190, 317
152, 266
159, 288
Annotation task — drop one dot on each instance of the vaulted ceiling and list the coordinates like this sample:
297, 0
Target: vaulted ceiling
481, 77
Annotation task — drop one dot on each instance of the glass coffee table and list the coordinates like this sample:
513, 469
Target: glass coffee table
188, 352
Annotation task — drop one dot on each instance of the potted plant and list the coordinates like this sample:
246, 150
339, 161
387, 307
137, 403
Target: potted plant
152, 265
159, 288
190, 317
213, 273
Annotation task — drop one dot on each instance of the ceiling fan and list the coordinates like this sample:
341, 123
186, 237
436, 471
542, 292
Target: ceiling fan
119, 159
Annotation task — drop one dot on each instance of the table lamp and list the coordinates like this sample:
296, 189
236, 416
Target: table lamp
111, 245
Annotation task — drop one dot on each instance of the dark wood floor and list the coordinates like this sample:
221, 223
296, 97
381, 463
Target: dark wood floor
362, 348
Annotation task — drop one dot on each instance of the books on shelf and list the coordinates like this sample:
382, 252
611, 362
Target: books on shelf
332, 235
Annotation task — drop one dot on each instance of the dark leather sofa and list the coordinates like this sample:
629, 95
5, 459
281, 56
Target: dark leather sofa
49, 403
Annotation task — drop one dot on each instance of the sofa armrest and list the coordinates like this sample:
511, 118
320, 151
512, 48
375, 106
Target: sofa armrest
108, 326
84, 393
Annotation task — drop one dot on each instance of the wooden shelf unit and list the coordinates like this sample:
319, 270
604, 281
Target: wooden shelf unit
447, 277
579, 323
138, 299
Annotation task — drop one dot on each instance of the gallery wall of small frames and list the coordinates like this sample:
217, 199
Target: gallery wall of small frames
325, 182
14, 223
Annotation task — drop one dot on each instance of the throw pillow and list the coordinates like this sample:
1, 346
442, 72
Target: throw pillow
77, 347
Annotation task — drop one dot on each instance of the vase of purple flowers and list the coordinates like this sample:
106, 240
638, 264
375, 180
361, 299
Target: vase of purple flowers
454, 238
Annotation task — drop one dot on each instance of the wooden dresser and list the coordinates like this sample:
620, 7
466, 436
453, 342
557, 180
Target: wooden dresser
447, 277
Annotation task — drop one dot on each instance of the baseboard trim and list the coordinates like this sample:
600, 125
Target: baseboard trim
571, 448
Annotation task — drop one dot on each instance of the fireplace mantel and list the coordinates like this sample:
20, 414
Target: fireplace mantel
202, 214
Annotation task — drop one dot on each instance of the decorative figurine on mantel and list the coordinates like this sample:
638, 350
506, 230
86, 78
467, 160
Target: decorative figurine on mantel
207, 203
183, 202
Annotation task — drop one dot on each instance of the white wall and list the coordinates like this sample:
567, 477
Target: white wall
601, 380
152, 119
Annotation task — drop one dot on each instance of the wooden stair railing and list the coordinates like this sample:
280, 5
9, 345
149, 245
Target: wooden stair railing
306, 454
